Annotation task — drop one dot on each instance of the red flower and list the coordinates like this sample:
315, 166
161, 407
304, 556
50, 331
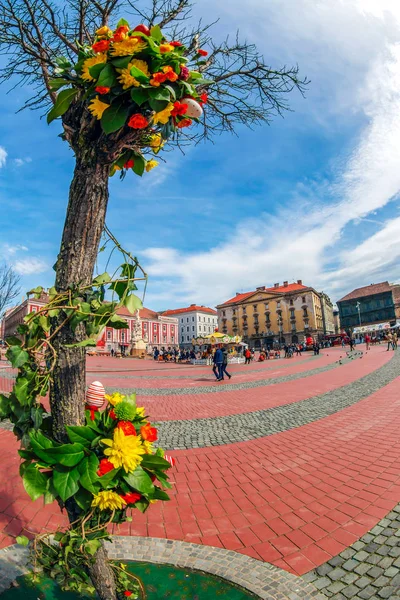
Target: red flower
184, 74
105, 467
101, 46
112, 414
131, 497
127, 427
129, 164
184, 123
102, 90
120, 33
179, 109
138, 121
202, 52
204, 97
127, 593
148, 433
176, 44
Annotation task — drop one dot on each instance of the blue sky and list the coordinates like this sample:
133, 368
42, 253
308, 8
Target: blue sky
312, 197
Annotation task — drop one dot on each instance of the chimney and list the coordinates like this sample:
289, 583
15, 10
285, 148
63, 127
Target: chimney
192, 305
276, 285
237, 293
285, 283
261, 288
300, 282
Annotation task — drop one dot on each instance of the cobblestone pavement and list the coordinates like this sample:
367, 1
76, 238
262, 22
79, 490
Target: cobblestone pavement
198, 433
368, 570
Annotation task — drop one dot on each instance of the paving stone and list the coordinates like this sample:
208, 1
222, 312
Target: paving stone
375, 572
367, 592
350, 591
335, 587
386, 562
336, 561
376, 530
391, 572
374, 559
388, 531
395, 552
381, 581
336, 574
362, 568
350, 578
392, 541
358, 545
372, 547
386, 592
322, 583
348, 553
323, 569
350, 565
368, 537
362, 582
384, 550
361, 556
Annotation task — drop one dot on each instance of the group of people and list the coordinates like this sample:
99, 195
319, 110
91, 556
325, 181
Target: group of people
391, 339
173, 355
220, 364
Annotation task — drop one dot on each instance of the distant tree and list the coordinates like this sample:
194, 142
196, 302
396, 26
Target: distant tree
9, 287
128, 91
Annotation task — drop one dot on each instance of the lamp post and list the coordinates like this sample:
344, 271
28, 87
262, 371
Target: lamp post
359, 312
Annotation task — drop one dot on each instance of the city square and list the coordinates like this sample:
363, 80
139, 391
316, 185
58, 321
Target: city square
199, 300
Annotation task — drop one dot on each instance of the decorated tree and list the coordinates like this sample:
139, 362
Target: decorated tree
126, 82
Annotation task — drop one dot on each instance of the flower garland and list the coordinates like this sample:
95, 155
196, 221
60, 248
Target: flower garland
134, 79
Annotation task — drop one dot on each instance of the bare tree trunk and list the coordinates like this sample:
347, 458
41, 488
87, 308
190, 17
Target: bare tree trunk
84, 224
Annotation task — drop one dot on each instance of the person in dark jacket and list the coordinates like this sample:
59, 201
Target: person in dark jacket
225, 363
219, 362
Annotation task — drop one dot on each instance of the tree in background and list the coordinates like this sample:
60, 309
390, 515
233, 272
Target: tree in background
128, 80
9, 287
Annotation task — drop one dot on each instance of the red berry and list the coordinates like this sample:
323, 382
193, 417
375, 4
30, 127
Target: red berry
143, 29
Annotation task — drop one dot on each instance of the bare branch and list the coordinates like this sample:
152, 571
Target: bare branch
9, 287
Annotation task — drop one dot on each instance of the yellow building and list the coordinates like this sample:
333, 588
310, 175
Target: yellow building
281, 314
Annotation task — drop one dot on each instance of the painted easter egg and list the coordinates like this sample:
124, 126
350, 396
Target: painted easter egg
170, 459
95, 395
193, 108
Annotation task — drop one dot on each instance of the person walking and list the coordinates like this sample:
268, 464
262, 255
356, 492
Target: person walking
352, 343
394, 341
218, 362
247, 355
367, 341
389, 339
225, 364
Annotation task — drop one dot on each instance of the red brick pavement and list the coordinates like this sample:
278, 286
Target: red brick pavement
293, 499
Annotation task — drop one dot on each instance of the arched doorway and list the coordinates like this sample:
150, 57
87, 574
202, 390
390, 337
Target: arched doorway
257, 343
295, 339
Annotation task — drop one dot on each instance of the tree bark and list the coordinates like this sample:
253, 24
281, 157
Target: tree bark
88, 198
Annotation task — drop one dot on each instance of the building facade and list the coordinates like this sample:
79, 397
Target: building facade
370, 305
285, 313
194, 321
157, 331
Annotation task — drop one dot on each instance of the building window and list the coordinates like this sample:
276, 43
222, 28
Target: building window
291, 301
244, 309
188, 338
199, 327
155, 339
109, 335
192, 319
303, 299
34, 309
187, 319
165, 339
192, 327
172, 339
305, 313
145, 326
255, 307
278, 304
122, 336
187, 328
208, 319
266, 305
223, 313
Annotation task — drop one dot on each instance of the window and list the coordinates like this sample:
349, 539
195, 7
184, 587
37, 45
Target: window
291, 301
244, 309
305, 313
292, 313
266, 305
188, 338
165, 339
278, 304
208, 319
122, 336
193, 319
34, 309
145, 326
199, 327
303, 299
255, 307
182, 320
187, 319
109, 335
154, 339
223, 313
192, 327
154, 327
187, 328
172, 339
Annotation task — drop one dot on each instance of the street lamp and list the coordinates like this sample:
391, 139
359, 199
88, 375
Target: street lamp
359, 312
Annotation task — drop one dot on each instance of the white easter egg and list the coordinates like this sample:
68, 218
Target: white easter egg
95, 394
193, 108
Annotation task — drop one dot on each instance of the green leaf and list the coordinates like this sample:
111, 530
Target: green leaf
35, 483
83, 498
22, 540
88, 473
158, 105
12, 340
128, 270
121, 63
133, 303
17, 356
4, 406
96, 70
118, 322
156, 33
44, 323
63, 102
123, 22
37, 416
139, 75
108, 478
66, 483
82, 344
159, 494
80, 434
114, 118
150, 461
171, 91
67, 455
92, 546
160, 94
139, 480
107, 77
21, 388
56, 84
139, 165
63, 62
203, 82
103, 278
139, 95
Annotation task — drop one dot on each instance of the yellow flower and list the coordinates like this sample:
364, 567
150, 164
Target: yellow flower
164, 48
90, 62
116, 397
103, 31
151, 164
108, 500
148, 446
140, 411
156, 142
163, 115
126, 78
125, 450
131, 45
97, 107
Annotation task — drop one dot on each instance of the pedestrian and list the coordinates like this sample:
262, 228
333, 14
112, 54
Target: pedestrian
225, 363
218, 362
112, 352
352, 343
367, 341
247, 355
343, 343
394, 341
389, 339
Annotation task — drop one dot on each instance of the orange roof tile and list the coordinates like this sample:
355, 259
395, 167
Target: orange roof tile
282, 289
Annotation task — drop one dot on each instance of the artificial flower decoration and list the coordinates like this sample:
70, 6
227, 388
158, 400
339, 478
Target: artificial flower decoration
127, 427
105, 466
124, 450
146, 82
108, 500
131, 497
148, 433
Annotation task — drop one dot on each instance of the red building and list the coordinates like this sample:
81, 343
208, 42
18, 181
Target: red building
15, 316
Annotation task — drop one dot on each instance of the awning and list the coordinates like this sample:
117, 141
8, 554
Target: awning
367, 328
123, 344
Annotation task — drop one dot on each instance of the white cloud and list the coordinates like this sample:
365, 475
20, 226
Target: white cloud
19, 162
363, 38
9, 250
30, 266
3, 156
